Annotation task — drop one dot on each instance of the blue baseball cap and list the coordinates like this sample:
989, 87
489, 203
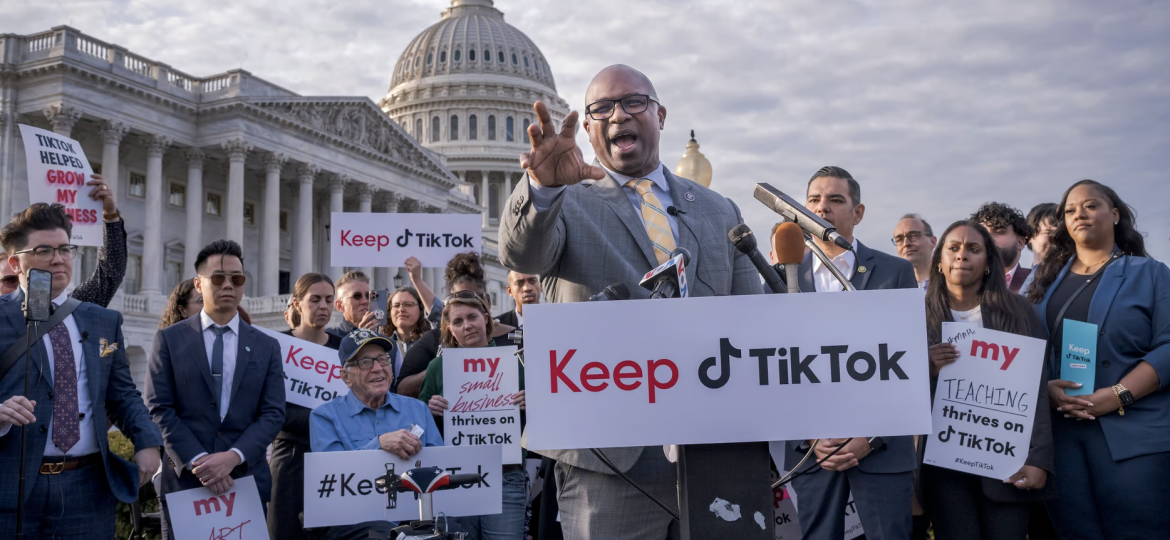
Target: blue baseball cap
357, 339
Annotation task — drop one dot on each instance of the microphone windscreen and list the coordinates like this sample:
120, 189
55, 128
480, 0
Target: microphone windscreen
788, 243
686, 255
742, 238
619, 291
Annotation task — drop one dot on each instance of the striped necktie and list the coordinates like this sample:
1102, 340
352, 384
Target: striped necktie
654, 218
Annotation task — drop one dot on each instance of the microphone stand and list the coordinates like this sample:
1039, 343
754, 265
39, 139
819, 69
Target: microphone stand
825, 260
30, 330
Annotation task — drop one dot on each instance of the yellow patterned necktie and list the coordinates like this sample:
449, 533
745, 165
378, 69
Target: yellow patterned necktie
654, 218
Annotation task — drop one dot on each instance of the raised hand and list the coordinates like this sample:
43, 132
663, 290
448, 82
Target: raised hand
555, 159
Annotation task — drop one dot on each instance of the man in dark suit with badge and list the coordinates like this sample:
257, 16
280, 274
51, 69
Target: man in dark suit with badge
216, 429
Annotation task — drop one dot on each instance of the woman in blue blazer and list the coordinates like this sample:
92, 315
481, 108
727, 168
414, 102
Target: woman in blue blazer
1112, 455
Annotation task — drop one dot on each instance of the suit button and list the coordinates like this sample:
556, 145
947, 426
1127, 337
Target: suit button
1102, 332
50, 395
1104, 363
213, 405
44, 428
217, 435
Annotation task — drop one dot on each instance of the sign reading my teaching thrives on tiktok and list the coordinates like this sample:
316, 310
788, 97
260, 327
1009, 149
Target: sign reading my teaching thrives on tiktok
685, 370
382, 239
985, 402
57, 173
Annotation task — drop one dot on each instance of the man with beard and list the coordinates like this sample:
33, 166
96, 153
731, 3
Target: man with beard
915, 242
582, 227
877, 470
1011, 232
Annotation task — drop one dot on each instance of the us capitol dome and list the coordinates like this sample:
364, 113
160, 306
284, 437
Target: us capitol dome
464, 88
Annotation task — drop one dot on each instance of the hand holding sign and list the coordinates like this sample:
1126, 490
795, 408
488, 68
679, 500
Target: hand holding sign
102, 193
401, 443
437, 405
235, 512
1028, 477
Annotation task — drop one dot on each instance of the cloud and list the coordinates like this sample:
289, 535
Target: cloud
934, 107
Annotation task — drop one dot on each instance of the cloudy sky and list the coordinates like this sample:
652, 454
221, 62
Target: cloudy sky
935, 107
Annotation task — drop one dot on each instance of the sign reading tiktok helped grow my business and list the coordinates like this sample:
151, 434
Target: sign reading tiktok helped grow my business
382, 239
479, 385
985, 402
643, 372
57, 173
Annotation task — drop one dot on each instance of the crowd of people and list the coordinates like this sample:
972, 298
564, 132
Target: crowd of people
215, 402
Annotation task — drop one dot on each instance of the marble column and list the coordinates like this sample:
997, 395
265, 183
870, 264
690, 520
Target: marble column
336, 205
270, 226
483, 197
237, 151
366, 194
62, 118
112, 132
194, 240
152, 243
302, 261
384, 277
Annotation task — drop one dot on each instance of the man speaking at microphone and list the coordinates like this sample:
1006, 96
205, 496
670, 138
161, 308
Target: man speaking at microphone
583, 227
878, 470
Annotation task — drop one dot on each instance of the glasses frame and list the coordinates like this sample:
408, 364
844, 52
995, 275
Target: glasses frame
620, 102
383, 359
219, 279
906, 237
69, 253
401, 305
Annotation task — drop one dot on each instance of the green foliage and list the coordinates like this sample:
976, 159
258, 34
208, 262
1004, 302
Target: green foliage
122, 446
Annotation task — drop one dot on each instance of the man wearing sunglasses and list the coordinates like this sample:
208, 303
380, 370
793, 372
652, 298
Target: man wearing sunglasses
628, 211
216, 428
80, 382
353, 302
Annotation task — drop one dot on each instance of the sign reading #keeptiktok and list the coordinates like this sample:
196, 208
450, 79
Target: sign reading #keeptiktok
382, 240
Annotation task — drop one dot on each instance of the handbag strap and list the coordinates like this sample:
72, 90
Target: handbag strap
18, 348
1060, 314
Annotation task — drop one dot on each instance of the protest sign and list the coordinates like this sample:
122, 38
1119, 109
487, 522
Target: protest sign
985, 402
312, 373
646, 372
784, 504
237, 514
57, 173
382, 239
479, 385
340, 489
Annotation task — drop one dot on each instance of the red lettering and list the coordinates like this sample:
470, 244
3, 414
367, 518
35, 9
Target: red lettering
557, 370
322, 367
619, 375
383, 241
654, 383
345, 237
334, 373
307, 363
356, 240
370, 240
1008, 356
587, 377
291, 358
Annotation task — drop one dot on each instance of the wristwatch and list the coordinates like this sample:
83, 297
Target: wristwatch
1124, 397
876, 443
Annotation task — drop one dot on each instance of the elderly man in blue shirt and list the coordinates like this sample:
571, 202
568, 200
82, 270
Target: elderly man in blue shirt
369, 417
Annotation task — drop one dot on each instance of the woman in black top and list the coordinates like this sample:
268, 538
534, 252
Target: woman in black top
405, 322
967, 285
312, 307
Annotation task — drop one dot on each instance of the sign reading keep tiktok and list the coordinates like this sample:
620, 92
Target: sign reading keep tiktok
57, 173
382, 239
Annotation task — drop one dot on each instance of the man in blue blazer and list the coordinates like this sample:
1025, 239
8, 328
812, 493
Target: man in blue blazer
215, 428
878, 470
80, 383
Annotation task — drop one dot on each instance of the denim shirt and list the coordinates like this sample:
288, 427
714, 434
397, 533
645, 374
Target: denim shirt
346, 423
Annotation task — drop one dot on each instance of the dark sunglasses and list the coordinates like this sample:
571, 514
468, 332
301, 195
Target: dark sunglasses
218, 279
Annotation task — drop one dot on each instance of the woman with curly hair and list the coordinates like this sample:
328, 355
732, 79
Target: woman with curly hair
405, 322
184, 302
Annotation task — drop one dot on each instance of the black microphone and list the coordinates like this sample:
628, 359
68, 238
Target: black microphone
614, 291
669, 279
744, 240
784, 205
674, 211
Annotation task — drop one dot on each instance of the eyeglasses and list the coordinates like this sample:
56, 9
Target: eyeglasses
10, 281
44, 253
632, 104
363, 296
365, 364
910, 236
401, 305
218, 279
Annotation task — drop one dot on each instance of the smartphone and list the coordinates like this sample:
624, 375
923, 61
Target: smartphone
378, 304
40, 292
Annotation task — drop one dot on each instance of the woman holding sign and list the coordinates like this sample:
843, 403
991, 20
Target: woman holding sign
1107, 307
467, 323
312, 307
967, 286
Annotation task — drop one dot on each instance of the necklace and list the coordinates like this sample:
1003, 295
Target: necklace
1088, 266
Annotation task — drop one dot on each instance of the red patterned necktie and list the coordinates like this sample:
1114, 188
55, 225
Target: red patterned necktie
66, 428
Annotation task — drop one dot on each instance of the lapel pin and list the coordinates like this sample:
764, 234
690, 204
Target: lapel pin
247, 349
689, 196
861, 269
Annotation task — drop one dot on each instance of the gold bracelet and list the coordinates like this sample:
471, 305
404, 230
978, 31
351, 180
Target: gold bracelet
1117, 394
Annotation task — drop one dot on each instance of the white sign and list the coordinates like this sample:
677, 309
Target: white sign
985, 402
382, 239
312, 373
198, 514
654, 372
479, 385
57, 173
340, 489
784, 503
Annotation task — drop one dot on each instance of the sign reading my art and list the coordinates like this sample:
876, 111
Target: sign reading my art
57, 173
199, 514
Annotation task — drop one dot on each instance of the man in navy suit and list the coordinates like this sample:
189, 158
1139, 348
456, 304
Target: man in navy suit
216, 429
81, 382
878, 470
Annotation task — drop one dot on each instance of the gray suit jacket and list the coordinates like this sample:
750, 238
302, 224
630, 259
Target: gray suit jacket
591, 237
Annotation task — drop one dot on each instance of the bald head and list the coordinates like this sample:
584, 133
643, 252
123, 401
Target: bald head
625, 142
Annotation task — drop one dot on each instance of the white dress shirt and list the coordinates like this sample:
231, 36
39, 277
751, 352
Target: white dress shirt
87, 441
542, 196
231, 341
823, 279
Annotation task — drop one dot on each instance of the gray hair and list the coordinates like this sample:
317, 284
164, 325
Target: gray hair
925, 225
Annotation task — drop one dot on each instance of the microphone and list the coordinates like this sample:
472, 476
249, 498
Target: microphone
795, 212
744, 240
674, 211
614, 291
669, 278
788, 246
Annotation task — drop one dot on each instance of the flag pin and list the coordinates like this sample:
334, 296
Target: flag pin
689, 196
861, 269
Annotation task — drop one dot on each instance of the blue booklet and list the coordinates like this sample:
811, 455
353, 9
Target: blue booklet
1078, 356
